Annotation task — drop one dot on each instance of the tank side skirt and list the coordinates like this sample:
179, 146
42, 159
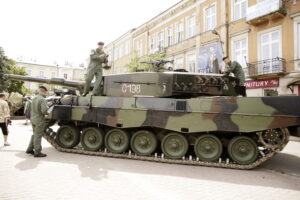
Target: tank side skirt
165, 119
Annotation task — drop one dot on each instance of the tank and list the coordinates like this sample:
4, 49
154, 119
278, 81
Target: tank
173, 117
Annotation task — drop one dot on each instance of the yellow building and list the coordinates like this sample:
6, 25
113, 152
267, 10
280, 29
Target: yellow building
262, 35
51, 71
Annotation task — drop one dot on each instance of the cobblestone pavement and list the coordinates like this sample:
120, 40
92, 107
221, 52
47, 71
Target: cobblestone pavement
66, 176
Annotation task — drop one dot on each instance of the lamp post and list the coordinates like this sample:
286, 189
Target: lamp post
216, 33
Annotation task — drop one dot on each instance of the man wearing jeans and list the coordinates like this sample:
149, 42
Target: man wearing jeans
4, 117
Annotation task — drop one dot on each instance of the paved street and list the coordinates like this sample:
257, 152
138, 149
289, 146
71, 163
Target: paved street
66, 176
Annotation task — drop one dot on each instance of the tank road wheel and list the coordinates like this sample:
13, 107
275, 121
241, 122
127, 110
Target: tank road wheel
274, 138
174, 145
68, 136
242, 150
143, 143
117, 140
208, 148
92, 139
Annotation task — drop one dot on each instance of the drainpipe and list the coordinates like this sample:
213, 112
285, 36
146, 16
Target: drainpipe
227, 27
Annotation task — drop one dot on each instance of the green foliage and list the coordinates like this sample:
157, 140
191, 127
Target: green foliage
10, 66
135, 64
3, 70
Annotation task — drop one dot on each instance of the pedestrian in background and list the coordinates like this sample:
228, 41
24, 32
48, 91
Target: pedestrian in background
39, 109
4, 117
27, 108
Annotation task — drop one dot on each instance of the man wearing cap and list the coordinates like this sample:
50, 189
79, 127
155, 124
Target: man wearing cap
235, 68
39, 109
97, 58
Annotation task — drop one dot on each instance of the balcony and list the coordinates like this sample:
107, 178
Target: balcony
270, 67
265, 11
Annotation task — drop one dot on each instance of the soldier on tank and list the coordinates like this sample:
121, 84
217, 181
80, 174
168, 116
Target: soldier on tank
235, 68
97, 58
39, 109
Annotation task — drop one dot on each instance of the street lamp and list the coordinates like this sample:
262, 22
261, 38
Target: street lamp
215, 32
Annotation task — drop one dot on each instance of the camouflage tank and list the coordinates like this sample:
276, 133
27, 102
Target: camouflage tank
174, 117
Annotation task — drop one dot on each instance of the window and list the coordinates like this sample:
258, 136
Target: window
298, 39
239, 9
139, 47
179, 63
191, 26
41, 74
127, 47
297, 44
109, 56
191, 61
116, 54
240, 51
28, 85
210, 18
53, 74
160, 39
28, 72
152, 43
170, 36
65, 76
121, 51
179, 32
270, 43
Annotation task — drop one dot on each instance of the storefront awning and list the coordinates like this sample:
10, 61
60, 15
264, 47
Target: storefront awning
295, 81
292, 83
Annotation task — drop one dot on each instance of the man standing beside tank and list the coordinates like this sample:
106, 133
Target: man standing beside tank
97, 58
39, 109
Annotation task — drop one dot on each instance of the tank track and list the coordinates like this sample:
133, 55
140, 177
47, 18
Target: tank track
265, 155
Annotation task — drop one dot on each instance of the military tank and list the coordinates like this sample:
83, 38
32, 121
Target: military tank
172, 117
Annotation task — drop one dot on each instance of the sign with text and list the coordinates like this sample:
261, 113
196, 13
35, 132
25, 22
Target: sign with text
264, 83
263, 8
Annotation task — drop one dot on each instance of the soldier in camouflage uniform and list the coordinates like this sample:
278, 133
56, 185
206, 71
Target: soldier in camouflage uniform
39, 109
235, 68
97, 58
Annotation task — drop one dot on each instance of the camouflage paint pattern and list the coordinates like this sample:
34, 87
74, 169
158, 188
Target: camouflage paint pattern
228, 114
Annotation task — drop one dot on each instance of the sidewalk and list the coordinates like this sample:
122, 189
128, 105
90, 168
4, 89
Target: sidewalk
70, 176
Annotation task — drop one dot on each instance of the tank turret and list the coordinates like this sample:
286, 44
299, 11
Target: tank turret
154, 84
171, 84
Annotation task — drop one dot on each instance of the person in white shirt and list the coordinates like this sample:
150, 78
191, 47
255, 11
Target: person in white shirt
4, 117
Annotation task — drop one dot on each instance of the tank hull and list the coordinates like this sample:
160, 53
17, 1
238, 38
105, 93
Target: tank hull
226, 114
227, 132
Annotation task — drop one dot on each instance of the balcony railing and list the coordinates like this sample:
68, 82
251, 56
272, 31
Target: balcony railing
261, 11
270, 66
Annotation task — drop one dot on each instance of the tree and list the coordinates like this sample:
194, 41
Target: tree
9, 66
135, 64
3, 70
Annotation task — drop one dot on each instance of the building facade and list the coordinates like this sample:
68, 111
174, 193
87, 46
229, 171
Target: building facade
262, 35
51, 71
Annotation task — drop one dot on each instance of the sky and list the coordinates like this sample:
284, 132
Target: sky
48, 31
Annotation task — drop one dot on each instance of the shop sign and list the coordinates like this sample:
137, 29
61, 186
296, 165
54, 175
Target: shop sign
264, 83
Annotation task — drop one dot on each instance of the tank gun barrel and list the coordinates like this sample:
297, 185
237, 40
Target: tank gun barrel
54, 81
